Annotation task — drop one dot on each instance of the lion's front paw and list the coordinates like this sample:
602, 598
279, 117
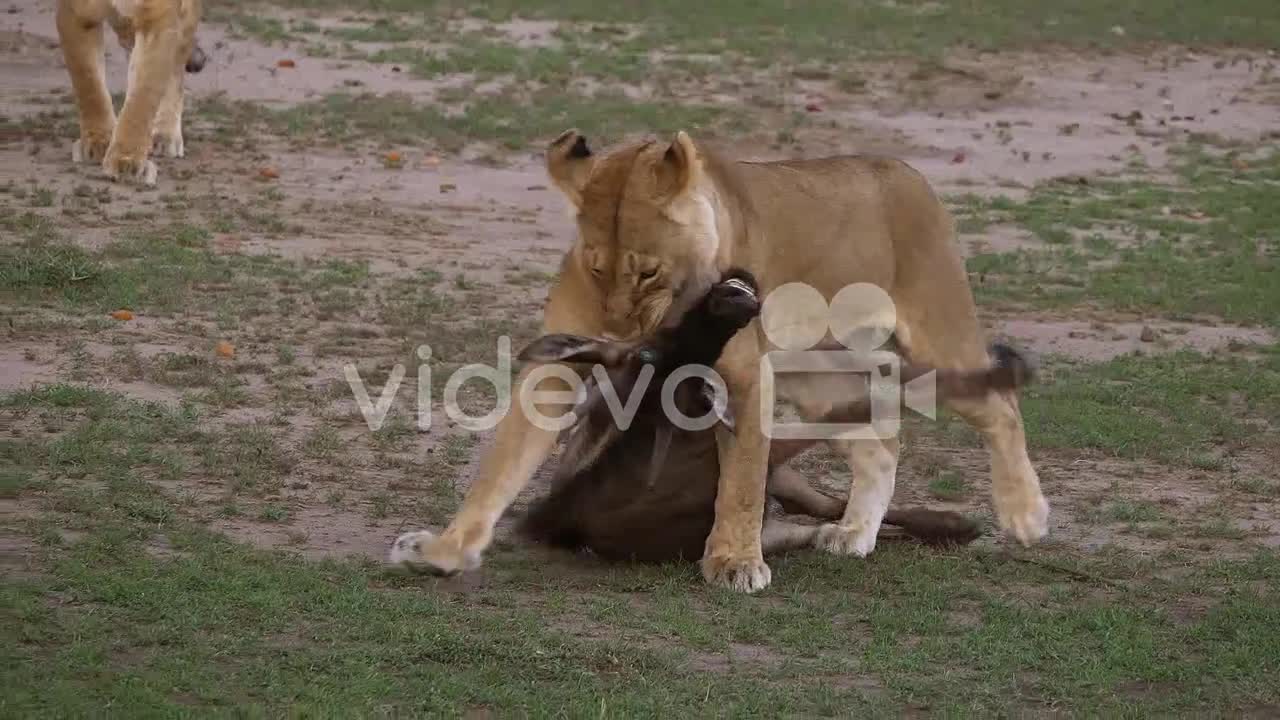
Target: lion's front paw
857, 540
168, 144
735, 572
425, 552
1024, 514
130, 167
91, 147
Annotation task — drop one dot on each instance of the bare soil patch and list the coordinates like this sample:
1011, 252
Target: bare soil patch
1098, 341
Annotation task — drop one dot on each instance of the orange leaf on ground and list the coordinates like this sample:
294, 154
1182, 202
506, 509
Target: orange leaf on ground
122, 315
286, 63
225, 349
268, 173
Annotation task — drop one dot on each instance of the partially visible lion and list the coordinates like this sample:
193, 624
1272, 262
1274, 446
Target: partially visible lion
160, 38
658, 223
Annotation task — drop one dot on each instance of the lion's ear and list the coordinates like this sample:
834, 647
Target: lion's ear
569, 163
679, 168
561, 347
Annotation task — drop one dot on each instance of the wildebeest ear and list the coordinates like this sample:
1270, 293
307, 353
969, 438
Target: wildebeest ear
569, 163
561, 347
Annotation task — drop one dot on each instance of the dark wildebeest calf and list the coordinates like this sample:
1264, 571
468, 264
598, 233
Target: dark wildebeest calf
647, 493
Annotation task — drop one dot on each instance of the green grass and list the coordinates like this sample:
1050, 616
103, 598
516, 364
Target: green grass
151, 269
106, 621
1173, 407
513, 120
948, 486
833, 31
1215, 253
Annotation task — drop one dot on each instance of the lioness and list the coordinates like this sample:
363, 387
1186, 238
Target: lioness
658, 223
160, 38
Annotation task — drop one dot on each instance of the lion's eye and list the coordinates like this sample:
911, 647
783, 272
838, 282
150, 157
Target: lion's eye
598, 272
648, 274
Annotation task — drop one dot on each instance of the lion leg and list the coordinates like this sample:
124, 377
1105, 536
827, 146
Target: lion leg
80, 33
949, 337
1015, 487
152, 64
874, 463
166, 138
167, 134
520, 447
733, 557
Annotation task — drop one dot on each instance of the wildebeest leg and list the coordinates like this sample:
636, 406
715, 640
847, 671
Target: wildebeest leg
780, 535
798, 497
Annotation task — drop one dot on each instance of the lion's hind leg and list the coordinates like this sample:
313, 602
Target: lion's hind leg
1015, 487
80, 33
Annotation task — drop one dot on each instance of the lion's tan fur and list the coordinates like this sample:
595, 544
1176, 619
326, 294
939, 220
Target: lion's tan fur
159, 35
658, 222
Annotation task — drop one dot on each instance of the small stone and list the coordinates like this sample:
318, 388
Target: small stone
1149, 334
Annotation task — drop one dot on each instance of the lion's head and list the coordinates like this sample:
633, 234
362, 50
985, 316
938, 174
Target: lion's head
647, 218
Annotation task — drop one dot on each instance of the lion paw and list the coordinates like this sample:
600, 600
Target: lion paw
1024, 514
90, 148
857, 540
130, 168
741, 574
168, 145
425, 552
